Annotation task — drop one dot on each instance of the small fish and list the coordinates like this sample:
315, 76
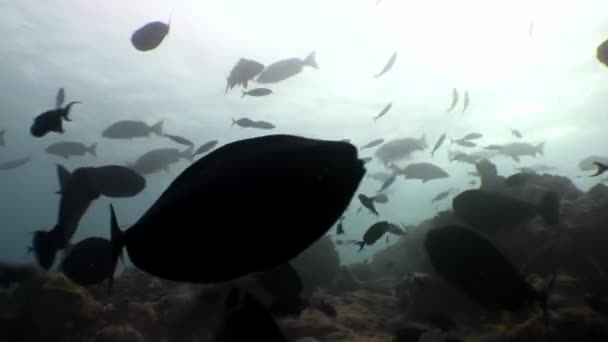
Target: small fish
442, 195
248, 123
257, 92
423, 171
388, 182
379, 176
372, 143
159, 159
67, 149
368, 202
244, 71
129, 129
455, 98
150, 36
286, 68
601, 168
494, 147
380, 198
179, 140
383, 111
15, 163
59, 98
438, 144
339, 228
2, 142
51, 121
472, 136
472, 182
464, 143
389, 64
465, 101
516, 133
373, 234
206, 147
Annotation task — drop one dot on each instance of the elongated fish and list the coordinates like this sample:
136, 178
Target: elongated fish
388, 66
179, 140
466, 101
438, 144
383, 111
59, 98
15, 163
372, 143
455, 98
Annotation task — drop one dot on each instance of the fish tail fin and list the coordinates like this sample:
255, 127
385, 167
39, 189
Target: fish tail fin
601, 168
549, 208
311, 60
157, 128
45, 248
233, 123
188, 153
118, 242
540, 148
92, 149
244, 94
361, 244
66, 111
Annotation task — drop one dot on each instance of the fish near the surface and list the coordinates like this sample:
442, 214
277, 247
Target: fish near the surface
373, 234
286, 68
389, 65
116, 181
491, 210
179, 140
340, 227
395, 229
383, 111
372, 143
257, 92
588, 164
399, 149
602, 52
601, 168
51, 121
286, 177
455, 98
129, 129
473, 265
66, 149
159, 160
423, 171
465, 101
206, 147
368, 202
150, 36
438, 144
88, 262
59, 98
15, 163
244, 71
77, 194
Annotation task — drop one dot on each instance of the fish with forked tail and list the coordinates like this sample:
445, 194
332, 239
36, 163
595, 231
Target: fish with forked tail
51, 121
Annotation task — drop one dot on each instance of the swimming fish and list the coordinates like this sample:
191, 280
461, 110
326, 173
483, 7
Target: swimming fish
179, 140
388, 66
150, 36
244, 71
383, 111
464, 143
257, 92
248, 123
521, 149
286, 176
380, 198
399, 149
372, 143
602, 52
455, 98
286, 68
59, 98
388, 182
116, 181
51, 121
368, 202
465, 101
516, 133
67, 149
601, 168
339, 228
88, 262
15, 163
472, 136
442, 195
129, 129
373, 234
159, 160
206, 147
423, 171
438, 144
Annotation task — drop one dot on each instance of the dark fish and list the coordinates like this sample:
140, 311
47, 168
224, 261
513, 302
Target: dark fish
455, 98
116, 181
206, 147
66, 149
372, 143
399, 149
602, 52
388, 182
129, 129
380, 198
51, 121
88, 262
2, 142
383, 111
490, 210
286, 68
516, 133
159, 160
379, 176
149, 36
257, 92
471, 264
465, 101
328, 309
368, 202
373, 234
244, 71
77, 195
601, 168
339, 228
464, 143
248, 320
423, 171
248, 123
15, 163
519, 179
438, 144
59, 98
285, 285
389, 64
442, 195
493, 147
472, 136
179, 140
395, 229
286, 176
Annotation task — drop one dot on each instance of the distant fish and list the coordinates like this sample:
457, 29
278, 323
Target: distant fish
150, 36
388, 182
339, 228
588, 163
602, 52
465, 101
159, 160
206, 147
373, 234
59, 98
516, 133
257, 92
389, 65
88, 262
472, 136
372, 143
67, 149
383, 111
455, 98
380, 198
2, 142
368, 202
244, 71
51, 121
423, 171
15, 163
129, 129
464, 143
442, 195
438, 144
601, 168
286, 68
179, 140
395, 229
248, 123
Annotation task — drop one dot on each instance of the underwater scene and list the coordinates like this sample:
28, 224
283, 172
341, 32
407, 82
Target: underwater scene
319, 171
